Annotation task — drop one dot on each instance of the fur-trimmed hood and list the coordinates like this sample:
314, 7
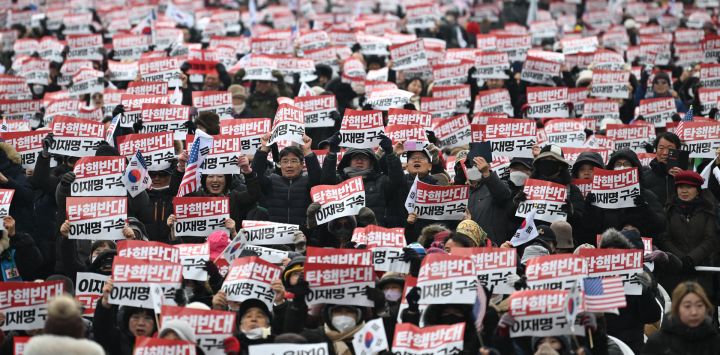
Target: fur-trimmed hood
53, 344
10, 153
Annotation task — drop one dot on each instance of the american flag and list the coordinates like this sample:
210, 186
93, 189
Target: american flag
603, 295
200, 148
688, 115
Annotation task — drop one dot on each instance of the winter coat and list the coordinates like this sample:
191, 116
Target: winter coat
115, 338
161, 205
21, 207
261, 105
659, 181
675, 337
27, 257
629, 325
54, 344
287, 199
487, 204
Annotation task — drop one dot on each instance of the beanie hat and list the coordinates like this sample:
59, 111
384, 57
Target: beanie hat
52, 344
661, 75
106, 150
64, 317
633, 236
563, 234
210, 121
584, 78
533, 251
688, 177
181, 328
246, 305
545, 233
472, 230
218, 241
366, 217
238, 91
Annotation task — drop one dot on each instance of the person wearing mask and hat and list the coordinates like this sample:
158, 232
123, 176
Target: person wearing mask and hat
520, 170
239, 95
691, 233
12, 176
254, 320
661, 87
161, 193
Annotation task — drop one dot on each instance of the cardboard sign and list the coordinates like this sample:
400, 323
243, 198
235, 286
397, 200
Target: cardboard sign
151, 346
132, 279
541, 313
338, 283
361, 129
386, 244
96, 218
701, 139
494, 101
555, 272
165, 69
88, 290
27, 144
493, 266
219, 102
540, 71
547, 102
268, 233
439, 339
288, 349
545, 199
615, 189
452, 132
343, 199
200, 216
625, 263
144, 250
165, 117
211, 327
657, 111
99, 176
289, 125
409, 55
250, 278
440, 202
511, 137
194, 258
25, 303
134, 103
157, 148
250, 131
610, 84
631, 137
317, 110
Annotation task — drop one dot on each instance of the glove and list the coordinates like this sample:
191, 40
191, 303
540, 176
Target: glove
676, 118
47, 142
415, 260
567, 207
657, 255
334, 142
375, 295
386, 144
688, 265
138, 126
713, 112
220, 68
190, 126
506, 322
67, 179
180, 297
588, 320
520, 197
336, 116
300, 290
119, 109
521, 283
434, 153
184, 67
432, 138
639, 201
232, 346
413, 297
590, 197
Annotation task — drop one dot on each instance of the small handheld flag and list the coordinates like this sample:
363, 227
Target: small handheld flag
136, 178
526, 232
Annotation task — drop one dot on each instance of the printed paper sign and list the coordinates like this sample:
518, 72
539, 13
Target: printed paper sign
317, 110
144, 250
409, 117
615, 189
409, 55
541, 313
86, 81
200, 216
60, 107
25, 303
336, 256
134, 103
657, 111
387, 99
555, 272
288, 349
386, 245
219, 102
268, 233
631, 137
19, 109
211, 327
565, 132
96, 218
164, 118
165, 69
447, 278
515, 45
132, 278
88, 290
151, 346
493, 266
76, 137
579, 45
332, 282
610, 84
710, 73
701, 139
270, 255
27, 144
99, 176
122, 71
223, 156
289, 125
491, 65
461, 94
147, 88
598, 109
250, 130
625, 263
439, 107
440, 202
511, 137
540, 71
85, 46
157, 149
547, 102
708, 99
343, 199
421, 16
130, 47
361, 129
194, 259
452, 132
494, 101
545, 199
250, 278
439, 339
402, 133
451, 74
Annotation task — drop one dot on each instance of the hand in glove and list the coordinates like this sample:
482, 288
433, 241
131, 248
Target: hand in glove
336, 116
375, 295
119, 109
567, 207
47, 142
639, 201
138, 126
67, 179
657, 255
688, 265
432, 138
300, 291
588, 320
386, 144
591, 197
334, 142
190, 126
311, 211
520, 197
413, 297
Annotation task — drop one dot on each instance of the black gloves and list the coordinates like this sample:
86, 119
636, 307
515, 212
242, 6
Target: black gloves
375, 295
639, 201
336, 116
138, 126
67, 179
47, 142
334, 142
520, 197
190, 126
432, 138
590, 197
413, 297
415, 260
300, 290
567, 207
386, 144
119, 109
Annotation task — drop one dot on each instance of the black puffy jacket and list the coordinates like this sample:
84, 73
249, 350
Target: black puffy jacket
659, 181
674, 337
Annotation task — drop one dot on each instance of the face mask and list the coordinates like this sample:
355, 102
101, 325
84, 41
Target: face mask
620, 168
189, 293
255, 333
547, 168
343, 323
518, 178
38, 89
239, 108
392, 295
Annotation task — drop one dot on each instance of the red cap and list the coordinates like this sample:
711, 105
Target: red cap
687, 177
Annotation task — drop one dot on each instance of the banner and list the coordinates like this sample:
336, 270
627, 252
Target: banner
250, 131
555, 272
336, 283
165, 69
701, 139
144, 250
132, 279
96, 218
288, 349
268, 233
409, 55
547, 102
223, 156
493, 266
250, 278
565, 132
511, 137
439, 339
211, 327
445, 278
289, 125
625, 263
540, 313
343, 199
27, 144
439, 107
147, 88
386, 245
545, 199
25, 303
194, 259
610, 84
98, 176
361, 129
164, 118
88, 290
134, 103
633, 137
158, 149
452, 132
657, 111
491, 65
615, 189
219, 102
200, 216
317, 110
154, 346
540, 71
76, 137
441, 203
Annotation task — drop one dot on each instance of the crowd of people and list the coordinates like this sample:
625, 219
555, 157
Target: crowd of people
673, 214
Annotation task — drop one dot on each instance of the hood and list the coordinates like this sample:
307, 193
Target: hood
431, 316
9, 151
624, 154
613, 239
593, 158
345, 161
53, 344
138, 226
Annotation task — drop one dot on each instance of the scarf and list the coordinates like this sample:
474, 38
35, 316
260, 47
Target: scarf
687, 208
338, 338
353, 172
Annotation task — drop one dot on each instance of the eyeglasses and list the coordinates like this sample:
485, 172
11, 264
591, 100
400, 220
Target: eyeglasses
158, 174
289, 162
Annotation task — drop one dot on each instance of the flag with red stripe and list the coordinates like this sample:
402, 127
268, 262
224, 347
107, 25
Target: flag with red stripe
200, 148
603, 294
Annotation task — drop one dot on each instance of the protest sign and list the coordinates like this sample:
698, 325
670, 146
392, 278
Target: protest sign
132, 279
494, 101
289, 125
147, 88
451, 73
710, 74
223, 156
288, 349
615, 189
447, 278
194, 258
165, 69
440, 202
461, 94
85, 46
273, 256
98, 176
88, 290
547, 102
657, 111
361, 129
701, 139
493, 266
157, 149
388, 98
154, 346
402, 133
122, 71
343, 199
577, 45
409, 117
625, 263
599, 109
75, 137
540, 71
515, 45
87, 81
633, 137
250, 131
452, 132
317, 110
144, 250
565, 132
95, 218
25, 303
708, 99
610, 84
250, 278
545, 199
439, 107
165, 117
19, 109
511, 137
386, 244
211, 327
268, 233
133, 104
36, 71
491, 65
200, 216
335, 283
219, 102
555, 272
60, 107
129, 47
409, 55
421, 15
27, 144
540, 313
439, 339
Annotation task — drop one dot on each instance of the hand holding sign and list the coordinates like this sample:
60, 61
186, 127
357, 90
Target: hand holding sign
106, 293
244, 164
